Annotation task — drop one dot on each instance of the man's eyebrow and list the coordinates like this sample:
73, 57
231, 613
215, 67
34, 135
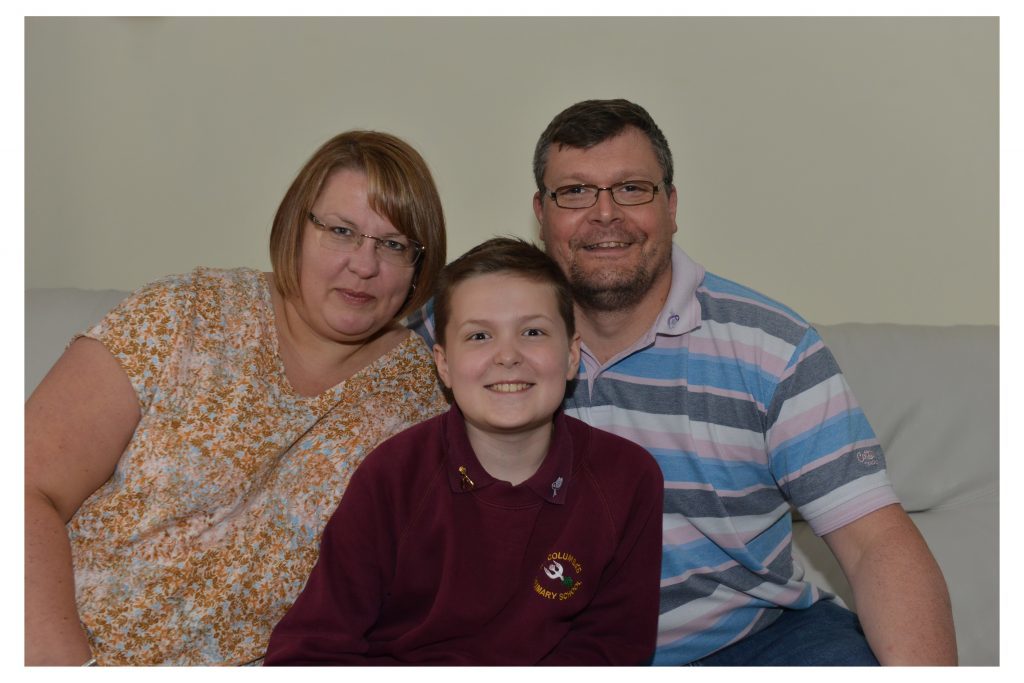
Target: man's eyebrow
575, 178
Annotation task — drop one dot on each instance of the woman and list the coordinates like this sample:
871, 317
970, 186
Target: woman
183, 455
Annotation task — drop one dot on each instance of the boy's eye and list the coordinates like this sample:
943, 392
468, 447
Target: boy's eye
477, 336
533, 332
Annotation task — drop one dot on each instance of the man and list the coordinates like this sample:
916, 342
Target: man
746, 411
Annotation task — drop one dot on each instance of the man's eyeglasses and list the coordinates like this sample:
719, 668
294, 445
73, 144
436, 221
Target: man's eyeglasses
398, 250
626, 193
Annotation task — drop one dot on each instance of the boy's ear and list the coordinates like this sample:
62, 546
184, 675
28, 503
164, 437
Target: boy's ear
441, 361
574, 357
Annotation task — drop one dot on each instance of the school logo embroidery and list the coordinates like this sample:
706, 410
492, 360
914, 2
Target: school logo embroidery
559, 578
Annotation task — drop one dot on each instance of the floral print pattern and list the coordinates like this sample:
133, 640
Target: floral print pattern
208, 528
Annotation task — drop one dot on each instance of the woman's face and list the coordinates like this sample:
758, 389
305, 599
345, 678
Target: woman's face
349, 296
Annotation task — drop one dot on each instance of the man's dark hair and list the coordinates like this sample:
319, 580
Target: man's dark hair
505, 255
591, 122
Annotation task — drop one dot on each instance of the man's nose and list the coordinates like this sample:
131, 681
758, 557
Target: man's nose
605, 207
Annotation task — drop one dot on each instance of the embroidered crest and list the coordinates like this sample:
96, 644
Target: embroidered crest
559, 578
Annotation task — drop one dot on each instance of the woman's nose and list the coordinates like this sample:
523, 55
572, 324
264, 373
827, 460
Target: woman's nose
363, 261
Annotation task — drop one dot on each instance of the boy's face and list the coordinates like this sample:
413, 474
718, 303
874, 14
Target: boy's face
507, 354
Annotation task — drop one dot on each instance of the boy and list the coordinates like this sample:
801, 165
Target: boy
502, 532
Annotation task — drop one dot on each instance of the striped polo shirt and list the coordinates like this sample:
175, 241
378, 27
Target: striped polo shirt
748, 414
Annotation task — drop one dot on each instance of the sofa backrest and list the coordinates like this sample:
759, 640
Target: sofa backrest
932, 395
52, 317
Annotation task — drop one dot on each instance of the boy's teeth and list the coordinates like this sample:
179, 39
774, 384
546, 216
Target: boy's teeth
508, 388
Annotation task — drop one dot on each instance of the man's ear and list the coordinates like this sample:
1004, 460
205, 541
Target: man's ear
538, 211
441, 361
673, 204
574, 357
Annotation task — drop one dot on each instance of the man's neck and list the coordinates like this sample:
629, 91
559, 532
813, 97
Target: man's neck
608, 333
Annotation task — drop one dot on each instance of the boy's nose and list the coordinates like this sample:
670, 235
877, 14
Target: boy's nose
507, 355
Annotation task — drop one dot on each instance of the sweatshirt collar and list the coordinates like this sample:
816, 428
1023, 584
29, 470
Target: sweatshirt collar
465, 473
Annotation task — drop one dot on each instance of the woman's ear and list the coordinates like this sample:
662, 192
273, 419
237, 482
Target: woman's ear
441, 361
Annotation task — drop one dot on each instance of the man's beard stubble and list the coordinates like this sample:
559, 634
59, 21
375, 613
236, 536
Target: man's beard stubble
598, 292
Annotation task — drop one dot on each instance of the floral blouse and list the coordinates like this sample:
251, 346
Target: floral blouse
208, 528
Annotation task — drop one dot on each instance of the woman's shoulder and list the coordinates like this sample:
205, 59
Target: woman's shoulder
402, 383
419, 446
407, 354
205, 283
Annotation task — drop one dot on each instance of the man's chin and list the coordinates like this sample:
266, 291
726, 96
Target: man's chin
608, 298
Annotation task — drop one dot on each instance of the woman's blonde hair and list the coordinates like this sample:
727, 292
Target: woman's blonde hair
400, 188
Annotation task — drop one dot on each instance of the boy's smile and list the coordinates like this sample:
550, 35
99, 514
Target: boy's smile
507, 355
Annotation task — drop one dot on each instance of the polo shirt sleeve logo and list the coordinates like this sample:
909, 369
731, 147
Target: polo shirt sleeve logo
867, 456
558, 582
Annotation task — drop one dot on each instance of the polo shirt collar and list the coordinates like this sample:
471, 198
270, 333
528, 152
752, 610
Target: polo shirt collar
681, 312
465, 473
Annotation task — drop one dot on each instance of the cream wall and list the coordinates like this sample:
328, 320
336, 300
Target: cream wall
846, 166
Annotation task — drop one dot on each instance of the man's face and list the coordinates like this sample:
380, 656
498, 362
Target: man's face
611, 254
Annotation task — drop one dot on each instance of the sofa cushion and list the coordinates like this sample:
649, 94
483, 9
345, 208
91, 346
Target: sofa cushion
52, 317
931, 393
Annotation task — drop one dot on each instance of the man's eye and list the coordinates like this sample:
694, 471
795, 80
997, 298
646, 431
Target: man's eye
573, 190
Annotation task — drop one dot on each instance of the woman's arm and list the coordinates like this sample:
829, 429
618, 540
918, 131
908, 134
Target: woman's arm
77, 424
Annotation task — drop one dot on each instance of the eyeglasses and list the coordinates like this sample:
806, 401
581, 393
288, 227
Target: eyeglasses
626, 193
398, 250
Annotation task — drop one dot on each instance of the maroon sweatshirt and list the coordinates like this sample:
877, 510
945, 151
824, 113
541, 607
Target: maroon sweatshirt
429, 560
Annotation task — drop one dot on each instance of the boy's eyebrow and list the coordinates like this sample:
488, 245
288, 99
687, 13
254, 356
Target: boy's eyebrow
520, 320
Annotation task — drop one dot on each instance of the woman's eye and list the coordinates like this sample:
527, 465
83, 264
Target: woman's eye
341, 231
393, 245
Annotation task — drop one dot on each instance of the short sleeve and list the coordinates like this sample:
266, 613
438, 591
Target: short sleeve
144, 331
821, 448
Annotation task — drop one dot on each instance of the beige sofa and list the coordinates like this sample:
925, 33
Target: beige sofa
931, 394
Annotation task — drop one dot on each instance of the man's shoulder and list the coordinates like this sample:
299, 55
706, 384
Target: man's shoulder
726, 302
421, 321
607, 454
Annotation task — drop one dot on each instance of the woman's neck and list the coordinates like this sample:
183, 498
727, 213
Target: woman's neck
313, 363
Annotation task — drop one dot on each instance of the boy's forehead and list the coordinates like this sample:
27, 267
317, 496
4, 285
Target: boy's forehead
503, 282
475, 291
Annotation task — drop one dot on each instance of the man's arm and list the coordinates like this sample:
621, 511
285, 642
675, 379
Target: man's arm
898, 589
